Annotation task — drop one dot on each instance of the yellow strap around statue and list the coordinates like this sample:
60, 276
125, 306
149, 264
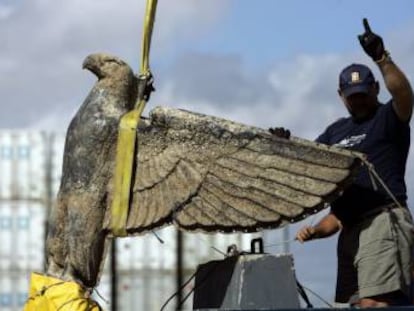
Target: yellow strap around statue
146, 40
127, 136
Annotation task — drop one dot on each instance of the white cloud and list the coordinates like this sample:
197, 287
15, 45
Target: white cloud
41, 65
44, 43
5, 11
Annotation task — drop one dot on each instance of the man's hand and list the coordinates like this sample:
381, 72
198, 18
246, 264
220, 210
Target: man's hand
371, 42
280, 132
305, 234
326, 227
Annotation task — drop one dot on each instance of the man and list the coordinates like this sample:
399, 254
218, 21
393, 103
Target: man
374, 246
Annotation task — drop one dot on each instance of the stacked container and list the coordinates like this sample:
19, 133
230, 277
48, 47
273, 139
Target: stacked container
24, 199
146, 267
30, 172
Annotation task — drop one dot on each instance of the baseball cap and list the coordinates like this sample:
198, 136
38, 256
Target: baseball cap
356, 78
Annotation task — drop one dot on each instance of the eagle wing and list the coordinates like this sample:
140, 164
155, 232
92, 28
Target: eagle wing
209, 174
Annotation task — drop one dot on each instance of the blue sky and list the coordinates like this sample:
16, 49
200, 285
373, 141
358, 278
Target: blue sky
264, 63
274, 30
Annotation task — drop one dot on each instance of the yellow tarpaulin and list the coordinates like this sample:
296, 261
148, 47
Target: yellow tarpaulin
50, 294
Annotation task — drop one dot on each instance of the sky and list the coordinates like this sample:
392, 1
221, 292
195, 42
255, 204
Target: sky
263, 63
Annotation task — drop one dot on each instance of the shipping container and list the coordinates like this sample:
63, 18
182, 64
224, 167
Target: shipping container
6, 293
14, 288
6, 234
21, 285
143, 290
22, 227
31, 168
150, 290
57, 145
23, 165
147, 252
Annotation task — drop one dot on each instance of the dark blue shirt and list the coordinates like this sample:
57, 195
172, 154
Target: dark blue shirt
386, 141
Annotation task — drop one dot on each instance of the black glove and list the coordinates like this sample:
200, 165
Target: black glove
371, 42
280, 132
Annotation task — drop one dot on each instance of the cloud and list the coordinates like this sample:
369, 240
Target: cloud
5, 11
215, 83
300, 88
40, 68
43, 44
281, 95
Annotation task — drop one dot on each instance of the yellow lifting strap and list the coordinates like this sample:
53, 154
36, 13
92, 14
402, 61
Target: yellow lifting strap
127, 135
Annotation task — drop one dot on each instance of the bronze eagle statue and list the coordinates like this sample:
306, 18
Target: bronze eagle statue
195, 171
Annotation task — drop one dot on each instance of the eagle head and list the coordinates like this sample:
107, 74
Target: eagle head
104, 65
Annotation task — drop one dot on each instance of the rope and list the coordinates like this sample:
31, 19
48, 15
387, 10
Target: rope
280, 243
104, 299
316, 295
374, 175
302, 293
179, 290
158, 237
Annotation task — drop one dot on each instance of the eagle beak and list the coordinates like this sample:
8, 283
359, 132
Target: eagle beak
92, 63
88, 63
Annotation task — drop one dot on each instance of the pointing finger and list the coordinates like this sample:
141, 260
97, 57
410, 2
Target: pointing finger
366, 25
